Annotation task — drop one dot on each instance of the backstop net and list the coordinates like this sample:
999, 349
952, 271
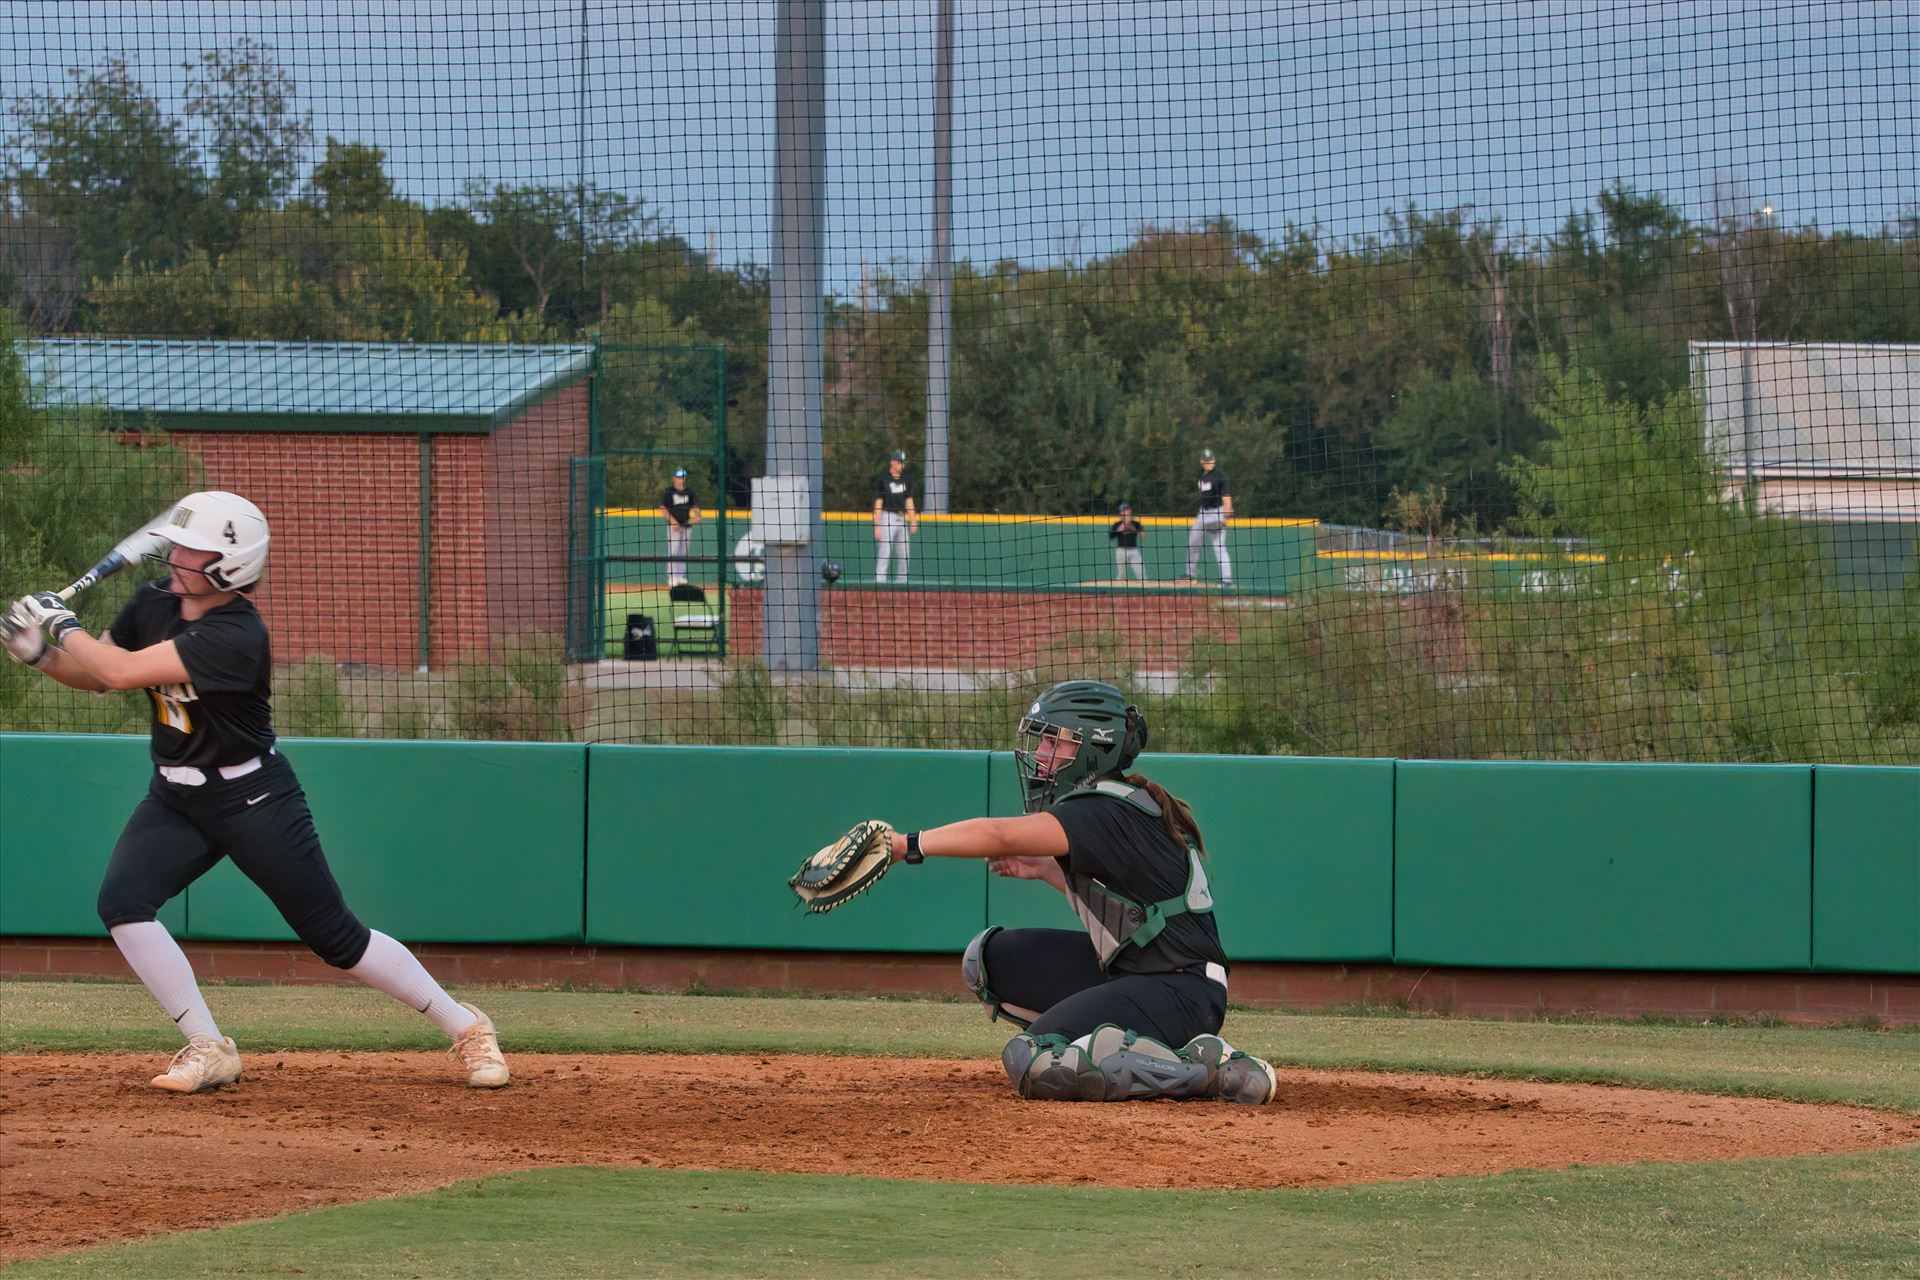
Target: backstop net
1453, 380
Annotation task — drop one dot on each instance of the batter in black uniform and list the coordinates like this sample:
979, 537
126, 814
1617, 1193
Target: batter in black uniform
221, 788
1102, 1009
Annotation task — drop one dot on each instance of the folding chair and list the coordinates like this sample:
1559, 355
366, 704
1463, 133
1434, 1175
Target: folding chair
694, 629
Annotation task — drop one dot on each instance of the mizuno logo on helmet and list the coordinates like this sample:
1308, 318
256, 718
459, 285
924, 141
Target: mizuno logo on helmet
1102, 737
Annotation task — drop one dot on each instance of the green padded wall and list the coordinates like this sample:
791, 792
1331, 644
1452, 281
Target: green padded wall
1866, 869
431, 842
692, 846
82, 786
1302, 853
1603, 866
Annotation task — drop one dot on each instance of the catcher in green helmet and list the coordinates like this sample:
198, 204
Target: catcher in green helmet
1130, 1006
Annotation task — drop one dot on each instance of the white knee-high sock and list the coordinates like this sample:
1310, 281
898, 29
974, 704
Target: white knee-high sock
157, 960
387, 966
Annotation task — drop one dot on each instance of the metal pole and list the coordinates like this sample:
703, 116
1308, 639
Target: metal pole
423, 639
940, 272
723, 548
795, 346
1746, 420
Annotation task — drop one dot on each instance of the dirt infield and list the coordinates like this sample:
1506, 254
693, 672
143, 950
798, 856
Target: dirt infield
90, 1154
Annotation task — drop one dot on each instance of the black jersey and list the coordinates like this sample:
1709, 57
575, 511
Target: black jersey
1131, 853
892, 494
223, 714
1213, 486
1127, 537
679, 504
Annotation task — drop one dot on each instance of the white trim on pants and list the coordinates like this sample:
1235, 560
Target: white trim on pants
893, 547
1209, 526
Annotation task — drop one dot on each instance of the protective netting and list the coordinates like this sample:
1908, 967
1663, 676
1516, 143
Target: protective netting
1560, 365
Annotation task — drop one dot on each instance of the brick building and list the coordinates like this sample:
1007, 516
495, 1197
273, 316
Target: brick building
418, 494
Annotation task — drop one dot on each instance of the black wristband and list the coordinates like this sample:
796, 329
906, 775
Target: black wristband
60, 630
913, 856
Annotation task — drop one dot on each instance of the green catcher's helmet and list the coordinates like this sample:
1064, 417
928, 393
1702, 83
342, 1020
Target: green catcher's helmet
1094, 734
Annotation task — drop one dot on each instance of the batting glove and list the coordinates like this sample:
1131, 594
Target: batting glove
51, 614
22, 638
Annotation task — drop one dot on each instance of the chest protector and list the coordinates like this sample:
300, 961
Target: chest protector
1115, 921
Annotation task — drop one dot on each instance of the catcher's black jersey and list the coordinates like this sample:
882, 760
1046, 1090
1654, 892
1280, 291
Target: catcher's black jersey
1131, 853
223, 714
1214, 487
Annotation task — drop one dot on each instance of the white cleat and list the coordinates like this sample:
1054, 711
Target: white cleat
478, 1048
206, 1063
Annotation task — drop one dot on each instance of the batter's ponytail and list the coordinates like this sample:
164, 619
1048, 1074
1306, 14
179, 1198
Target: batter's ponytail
1174, 812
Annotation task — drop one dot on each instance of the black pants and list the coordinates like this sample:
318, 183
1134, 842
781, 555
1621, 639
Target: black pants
178, 834
1057, 972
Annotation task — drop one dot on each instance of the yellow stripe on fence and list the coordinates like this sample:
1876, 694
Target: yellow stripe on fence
1576, 557
984, 517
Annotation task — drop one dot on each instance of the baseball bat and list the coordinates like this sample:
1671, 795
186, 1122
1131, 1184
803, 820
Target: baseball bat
130, 549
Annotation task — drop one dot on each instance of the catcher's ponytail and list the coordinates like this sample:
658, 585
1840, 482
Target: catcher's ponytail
1174, 812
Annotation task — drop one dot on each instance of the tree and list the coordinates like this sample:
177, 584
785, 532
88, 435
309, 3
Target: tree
1452, 434
560, 255
38, 273
257, 138
69, 485
105, 165
351, 178
293, 275
517, 239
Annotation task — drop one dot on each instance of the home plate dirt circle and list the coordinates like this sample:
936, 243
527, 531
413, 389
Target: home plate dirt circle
89, 1153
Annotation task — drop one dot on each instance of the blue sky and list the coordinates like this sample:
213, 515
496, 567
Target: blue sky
1076, 123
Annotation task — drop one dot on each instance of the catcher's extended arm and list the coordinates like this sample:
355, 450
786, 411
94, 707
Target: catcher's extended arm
849, 866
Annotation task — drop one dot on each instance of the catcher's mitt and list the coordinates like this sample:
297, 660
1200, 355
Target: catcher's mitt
850, 865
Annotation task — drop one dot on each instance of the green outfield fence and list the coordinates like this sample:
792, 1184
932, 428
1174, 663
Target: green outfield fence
1561, 365
1459, 863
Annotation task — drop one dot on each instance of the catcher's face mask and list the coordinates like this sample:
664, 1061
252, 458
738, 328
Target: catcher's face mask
1050, 762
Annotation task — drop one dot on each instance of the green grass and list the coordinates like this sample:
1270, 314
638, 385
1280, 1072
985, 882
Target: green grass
656, 604
1822, 1216
1815, 1216
1872, 1068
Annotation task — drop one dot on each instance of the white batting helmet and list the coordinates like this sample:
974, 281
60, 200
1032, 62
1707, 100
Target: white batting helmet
222, 522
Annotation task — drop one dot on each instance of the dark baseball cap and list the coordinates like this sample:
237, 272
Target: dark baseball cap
1125, 506
1206, 455
898, 455
679, 473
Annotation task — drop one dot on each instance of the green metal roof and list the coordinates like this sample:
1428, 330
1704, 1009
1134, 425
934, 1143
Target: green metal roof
303, 386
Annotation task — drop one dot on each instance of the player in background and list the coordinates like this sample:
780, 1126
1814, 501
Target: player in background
1124, 533
220, 788
682, 510
1210, 523
1101, 1010
895, 518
